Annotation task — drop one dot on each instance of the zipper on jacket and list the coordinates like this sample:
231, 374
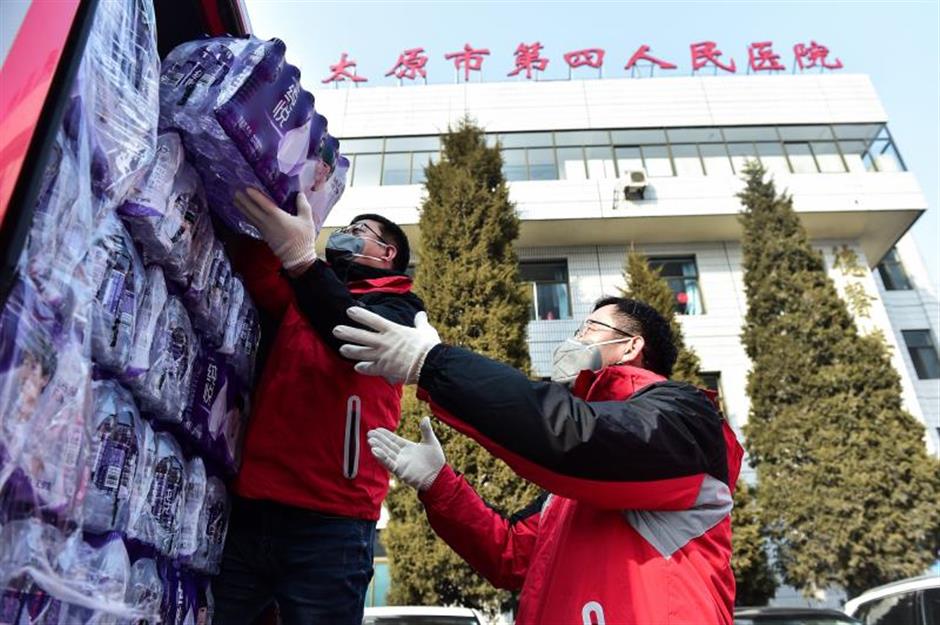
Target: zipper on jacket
351, 444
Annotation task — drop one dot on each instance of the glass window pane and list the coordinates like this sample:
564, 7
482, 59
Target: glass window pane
551, 301
358, 146
656, 159
681, 274
750, 133
715, 157
542, 164
685, 156
490, 139
694, 135
368, 170
628, 159
419, 161
865, 132
571, 164
886, 158
923, 353
801, 159
412, 144
526, 139
582, 137
827, 157
740, 154
600, 162
396, 169
805, 133
855, 153
514, 165
638, 137
772, 157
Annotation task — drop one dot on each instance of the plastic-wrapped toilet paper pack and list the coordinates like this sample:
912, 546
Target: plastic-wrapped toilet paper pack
152, 302
163, 389
242, 333
209, 291
193, 499
213, 526
116, 274
117, 441
155, 517
164, 207
246, 121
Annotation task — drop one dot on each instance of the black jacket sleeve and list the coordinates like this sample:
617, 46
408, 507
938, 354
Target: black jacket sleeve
666, 431
323, 299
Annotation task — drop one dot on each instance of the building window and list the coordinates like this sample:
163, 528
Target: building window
604, 154
892, 272
681, 274
923, 353
548, 282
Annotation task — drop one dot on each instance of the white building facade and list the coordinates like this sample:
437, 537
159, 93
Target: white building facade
567, 147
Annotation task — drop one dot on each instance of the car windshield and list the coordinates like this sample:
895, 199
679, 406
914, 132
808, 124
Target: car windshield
417, 619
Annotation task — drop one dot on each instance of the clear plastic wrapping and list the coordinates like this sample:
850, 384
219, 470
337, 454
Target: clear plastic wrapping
242, 333
45, 398
151, 306
144, 590
116, 274
210, 287
122, 67
165, 386
246, 121
155, 519
164, 207
213, 527
193, 501
115, 456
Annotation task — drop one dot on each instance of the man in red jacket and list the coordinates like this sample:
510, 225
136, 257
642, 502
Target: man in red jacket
640, 470
306, 497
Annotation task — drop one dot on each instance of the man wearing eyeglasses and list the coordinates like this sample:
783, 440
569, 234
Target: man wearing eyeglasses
308, 495
640, 470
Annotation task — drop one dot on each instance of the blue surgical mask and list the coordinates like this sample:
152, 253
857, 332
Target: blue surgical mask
344, 246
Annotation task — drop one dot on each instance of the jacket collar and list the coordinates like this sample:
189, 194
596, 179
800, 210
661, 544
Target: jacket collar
613, 382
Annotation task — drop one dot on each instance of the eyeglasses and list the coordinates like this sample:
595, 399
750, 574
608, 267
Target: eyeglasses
592, 325
359, 229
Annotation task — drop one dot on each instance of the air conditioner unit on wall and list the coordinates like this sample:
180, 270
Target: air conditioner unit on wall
634, 184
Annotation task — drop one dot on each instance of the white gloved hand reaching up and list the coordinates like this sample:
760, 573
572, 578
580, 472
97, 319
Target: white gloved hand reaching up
415, 464
392, 350
290, 237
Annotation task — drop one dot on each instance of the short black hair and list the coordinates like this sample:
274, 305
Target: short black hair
659, 353
392, 233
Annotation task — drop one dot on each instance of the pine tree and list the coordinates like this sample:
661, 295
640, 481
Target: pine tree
468, 275
647, 285
752, 573
847, 489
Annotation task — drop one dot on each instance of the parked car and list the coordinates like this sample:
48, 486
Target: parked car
914, 601
421, 615
791, 616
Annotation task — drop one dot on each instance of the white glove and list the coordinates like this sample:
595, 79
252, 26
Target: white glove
415, 464
291, 238
393, 351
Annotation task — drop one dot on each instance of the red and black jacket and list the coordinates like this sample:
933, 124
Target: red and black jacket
641, 470
305, 444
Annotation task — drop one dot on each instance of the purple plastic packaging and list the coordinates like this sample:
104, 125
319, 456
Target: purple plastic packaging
187, 541
213, 526
144, 590
152, 303
209, 291
155, 519
163, 389
116, 274
242, 333
115, 456
246, 121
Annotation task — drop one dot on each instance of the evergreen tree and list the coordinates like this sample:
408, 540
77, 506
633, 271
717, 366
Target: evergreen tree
848, 492
647, 285
752, 573
754, 579
468, 275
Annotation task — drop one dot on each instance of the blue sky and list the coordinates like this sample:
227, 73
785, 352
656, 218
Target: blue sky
897, 43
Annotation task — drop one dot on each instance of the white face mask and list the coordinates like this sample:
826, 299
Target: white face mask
572, 357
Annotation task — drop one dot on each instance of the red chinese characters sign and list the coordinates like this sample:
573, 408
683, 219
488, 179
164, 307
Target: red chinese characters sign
529, 60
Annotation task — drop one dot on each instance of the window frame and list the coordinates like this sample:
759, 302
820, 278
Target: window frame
534, 284
662, 260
